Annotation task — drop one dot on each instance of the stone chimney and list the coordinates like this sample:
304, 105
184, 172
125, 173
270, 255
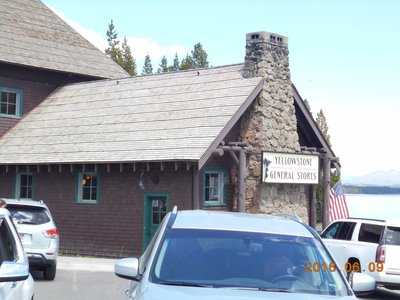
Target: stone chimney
267, 56
270, 123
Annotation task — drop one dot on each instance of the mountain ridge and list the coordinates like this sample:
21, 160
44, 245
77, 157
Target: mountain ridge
380, 178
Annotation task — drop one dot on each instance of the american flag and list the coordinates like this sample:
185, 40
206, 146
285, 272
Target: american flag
337, 203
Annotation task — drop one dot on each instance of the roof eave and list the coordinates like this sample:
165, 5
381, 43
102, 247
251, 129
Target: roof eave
311, 121
66, 73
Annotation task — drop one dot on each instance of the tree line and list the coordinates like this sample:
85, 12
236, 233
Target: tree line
121, 53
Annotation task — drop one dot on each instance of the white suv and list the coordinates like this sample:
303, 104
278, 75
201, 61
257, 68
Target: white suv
221, 255
38, 232
367, 245
15, 281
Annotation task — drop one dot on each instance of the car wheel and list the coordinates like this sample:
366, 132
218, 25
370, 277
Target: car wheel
49, 272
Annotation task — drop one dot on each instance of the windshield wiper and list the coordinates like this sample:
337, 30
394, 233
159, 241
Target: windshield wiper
184, 283
25, 222
276, 290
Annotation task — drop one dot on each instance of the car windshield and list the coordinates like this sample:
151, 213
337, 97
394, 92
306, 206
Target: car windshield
24, 214
392, 236
231, 259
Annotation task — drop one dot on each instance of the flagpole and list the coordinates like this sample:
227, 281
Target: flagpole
326, 161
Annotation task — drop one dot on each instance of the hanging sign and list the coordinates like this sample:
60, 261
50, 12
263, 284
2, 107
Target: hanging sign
290, 168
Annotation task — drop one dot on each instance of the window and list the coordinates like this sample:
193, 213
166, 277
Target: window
7, 243
330, 233
24, 186
340, 231
25, 214
158, 210
370, 233
214, 185
392, 236
244, 260
10, 102
88, 188
345, 231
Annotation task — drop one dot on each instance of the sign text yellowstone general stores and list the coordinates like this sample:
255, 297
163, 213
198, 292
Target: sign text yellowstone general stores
290, 168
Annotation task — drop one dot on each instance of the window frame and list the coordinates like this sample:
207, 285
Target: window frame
221, 172
18, 102
79, 188
18, 185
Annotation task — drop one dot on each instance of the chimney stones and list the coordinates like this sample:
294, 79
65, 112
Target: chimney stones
270, 124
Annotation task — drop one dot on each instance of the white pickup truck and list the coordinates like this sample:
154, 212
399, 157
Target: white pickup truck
365, 245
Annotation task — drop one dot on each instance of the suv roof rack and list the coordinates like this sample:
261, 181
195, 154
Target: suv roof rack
367, 219
172, 218
292, 217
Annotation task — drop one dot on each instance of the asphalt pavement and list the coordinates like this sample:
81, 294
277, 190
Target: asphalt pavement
82, 279
383, 294
93, 279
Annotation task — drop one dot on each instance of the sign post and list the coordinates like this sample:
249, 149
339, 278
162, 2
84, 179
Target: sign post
290, 168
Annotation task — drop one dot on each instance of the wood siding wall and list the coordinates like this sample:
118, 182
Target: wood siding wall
35, 84
114, 226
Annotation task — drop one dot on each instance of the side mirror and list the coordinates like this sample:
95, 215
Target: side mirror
362, 283
127, 268
11, 271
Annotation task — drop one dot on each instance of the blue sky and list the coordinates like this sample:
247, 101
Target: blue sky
344, 55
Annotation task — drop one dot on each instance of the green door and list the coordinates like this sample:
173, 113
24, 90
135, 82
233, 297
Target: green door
155, 209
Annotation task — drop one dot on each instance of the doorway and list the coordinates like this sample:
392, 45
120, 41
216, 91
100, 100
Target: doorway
155, 209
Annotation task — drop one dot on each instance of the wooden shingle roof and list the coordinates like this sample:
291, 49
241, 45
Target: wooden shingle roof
173, 116
32, 35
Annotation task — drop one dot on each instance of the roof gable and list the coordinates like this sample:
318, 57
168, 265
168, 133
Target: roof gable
32, 35
310, 126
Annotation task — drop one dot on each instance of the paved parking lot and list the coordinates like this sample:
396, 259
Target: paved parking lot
93, 279
385, 295
82, 279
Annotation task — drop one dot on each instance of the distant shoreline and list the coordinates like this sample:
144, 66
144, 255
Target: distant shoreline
372, 190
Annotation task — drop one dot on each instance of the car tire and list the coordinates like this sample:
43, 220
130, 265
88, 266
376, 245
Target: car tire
49, 273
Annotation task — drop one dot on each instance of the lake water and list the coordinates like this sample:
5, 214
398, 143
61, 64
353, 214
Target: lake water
374, 206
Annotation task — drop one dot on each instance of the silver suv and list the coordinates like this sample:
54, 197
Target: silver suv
38, 233
223, 255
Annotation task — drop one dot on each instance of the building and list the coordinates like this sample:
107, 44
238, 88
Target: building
111, 154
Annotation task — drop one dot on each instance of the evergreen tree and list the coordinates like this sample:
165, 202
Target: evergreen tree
187, 63
113, 49
323, 125
163, 65
147, 67
199, 56
175, 66
128, 62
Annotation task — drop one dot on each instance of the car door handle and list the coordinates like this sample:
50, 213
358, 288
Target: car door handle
14, 284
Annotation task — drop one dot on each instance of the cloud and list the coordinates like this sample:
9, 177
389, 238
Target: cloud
140, 46
364, 137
